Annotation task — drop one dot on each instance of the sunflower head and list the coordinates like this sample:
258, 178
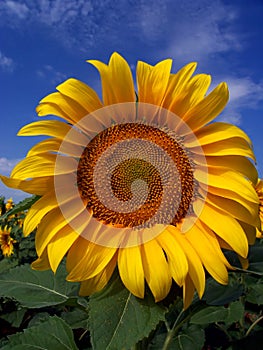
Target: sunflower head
6, 241
149, 185
9, 204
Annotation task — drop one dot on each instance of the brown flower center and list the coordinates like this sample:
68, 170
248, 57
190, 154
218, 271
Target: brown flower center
141, 185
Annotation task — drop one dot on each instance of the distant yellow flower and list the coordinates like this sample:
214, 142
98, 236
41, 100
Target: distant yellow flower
9, 204
6, 241
149, 186
259, 190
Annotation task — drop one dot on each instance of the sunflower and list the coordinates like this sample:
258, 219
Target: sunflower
259, 190
6, 241
139, 181
9, 204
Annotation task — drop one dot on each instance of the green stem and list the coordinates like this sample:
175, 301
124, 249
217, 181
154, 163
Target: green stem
253, 325
171, 333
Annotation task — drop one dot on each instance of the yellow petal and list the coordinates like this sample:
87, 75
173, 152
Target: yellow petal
213, 241
38, 210
54, 128
236, 163
195, 267
116, 80
176, 257
194, 92
250, 231
72, 111
208, 255
59, 245
152, 81
224, 226
250, 206
233, 208
177, 83
44, 165
156, 270
44, 109
96, 283
208, 108
39, 185
228, 180
131, 270
219, 131
233, 146
86, 259
81, 93
42, 263
49, 145
188, 292
51, 223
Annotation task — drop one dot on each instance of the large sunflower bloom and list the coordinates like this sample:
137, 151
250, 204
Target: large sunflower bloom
144, 182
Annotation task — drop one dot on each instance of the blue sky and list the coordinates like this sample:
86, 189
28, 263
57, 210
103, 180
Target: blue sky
44, 42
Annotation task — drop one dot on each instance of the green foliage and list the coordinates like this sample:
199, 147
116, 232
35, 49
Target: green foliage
126, 318
36, 289
39, 309
25, 204
191, 338
52, 334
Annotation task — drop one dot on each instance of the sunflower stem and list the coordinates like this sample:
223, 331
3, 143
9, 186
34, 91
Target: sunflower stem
171, 333
253, 325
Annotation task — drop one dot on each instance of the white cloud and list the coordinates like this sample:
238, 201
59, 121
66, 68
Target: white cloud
6, 165
49, 72
202, 29
181, 29
6, 63
244, 93
16, 8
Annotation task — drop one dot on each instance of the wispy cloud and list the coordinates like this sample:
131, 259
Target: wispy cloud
15, 8
6, 165
49, 72
202, 29
182, 29
244, 94
6, 63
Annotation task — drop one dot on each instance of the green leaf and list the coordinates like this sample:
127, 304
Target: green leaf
217, 294
118, 319
40, 317
193, 338
76, 318
209, 314
15, 318
52, 334
7, 264
21, 206
255, 258
255, 294
36, 289
235, 312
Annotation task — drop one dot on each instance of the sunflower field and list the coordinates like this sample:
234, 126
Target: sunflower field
144, 225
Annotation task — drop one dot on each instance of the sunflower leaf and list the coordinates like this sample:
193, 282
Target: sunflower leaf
209, 314
52, 334
36, 289
192, 338
25, 204
118, 319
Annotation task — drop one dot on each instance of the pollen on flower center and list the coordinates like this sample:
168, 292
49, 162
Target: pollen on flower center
136, 182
